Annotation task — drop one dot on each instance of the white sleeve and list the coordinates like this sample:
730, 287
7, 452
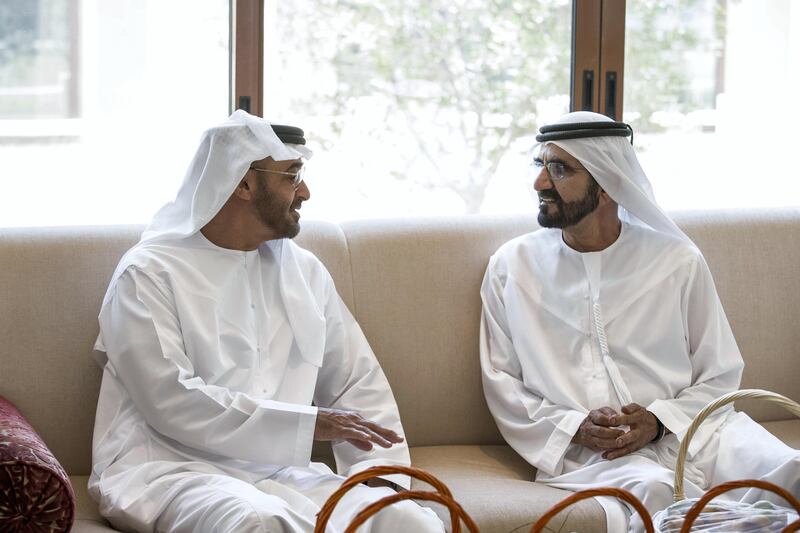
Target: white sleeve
716, 362
540, 431
351, 378
142, 337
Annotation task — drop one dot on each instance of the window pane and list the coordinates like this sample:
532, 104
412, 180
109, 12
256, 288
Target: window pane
37, 58
710, 87
102, 104
417, 106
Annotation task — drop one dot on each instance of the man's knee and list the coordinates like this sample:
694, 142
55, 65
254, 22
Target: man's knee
252, 521
259, 522
406, 516
656, 494
230, 512
655, 491
275, 517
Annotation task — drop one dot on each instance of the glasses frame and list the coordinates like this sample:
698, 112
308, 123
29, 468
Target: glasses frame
297, 177
556, 176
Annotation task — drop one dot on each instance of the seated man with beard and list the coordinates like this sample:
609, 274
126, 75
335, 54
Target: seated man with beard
216, 335
602, 336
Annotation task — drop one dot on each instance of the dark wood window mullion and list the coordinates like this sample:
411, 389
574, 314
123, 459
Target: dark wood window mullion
598, 56
585, 71
247, 57
612, 58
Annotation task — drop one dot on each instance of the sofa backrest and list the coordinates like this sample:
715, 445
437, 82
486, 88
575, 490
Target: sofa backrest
754, 256
413, 287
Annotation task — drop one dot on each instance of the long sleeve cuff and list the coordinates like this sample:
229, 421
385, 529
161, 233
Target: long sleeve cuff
306, 426
673, 418
678, 422
556, 447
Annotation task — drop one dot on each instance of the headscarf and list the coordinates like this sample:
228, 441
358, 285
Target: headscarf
223, 157
613, 164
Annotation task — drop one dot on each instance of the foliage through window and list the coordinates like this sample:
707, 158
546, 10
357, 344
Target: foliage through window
38, 59
705, 81
418, 97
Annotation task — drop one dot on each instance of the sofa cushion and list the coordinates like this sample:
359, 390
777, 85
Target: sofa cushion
87, 516
417, 298
35, 492
755, 272
786, 430
52, 281
495, 486
472, 473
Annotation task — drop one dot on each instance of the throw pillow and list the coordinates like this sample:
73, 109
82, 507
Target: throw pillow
35, 492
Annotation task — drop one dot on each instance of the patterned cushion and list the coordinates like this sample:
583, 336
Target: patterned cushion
35, 493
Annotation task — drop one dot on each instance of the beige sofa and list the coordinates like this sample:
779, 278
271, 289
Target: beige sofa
413, 286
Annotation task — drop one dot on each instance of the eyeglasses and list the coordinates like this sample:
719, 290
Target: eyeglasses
558, 170
297, 177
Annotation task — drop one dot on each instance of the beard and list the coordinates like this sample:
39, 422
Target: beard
561, 214
275, 214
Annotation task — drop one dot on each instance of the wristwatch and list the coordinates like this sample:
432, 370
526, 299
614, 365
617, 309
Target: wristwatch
660, 432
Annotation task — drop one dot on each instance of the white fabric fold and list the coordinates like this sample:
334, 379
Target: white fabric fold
305, 316
538, 368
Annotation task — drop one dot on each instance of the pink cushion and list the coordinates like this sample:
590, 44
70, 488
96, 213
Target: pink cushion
35, 493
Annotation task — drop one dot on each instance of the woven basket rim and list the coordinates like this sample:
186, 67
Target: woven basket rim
754, 394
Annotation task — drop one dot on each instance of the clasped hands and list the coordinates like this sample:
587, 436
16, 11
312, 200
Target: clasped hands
600, 431
349, 426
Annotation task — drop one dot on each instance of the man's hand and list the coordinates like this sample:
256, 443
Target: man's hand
643, 429
597, 431
339, 424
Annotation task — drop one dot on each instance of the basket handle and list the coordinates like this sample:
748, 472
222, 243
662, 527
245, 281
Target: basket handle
722, 488
457, 513
591, 493
326, 511
723, 400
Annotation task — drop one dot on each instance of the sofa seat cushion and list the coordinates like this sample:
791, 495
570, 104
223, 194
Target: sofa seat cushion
492, 483
87, 518
495, 486
35, 492
786, 430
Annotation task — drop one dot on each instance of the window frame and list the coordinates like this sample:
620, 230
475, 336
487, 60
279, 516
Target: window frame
598, 46
598, 53
247, 55
62, 128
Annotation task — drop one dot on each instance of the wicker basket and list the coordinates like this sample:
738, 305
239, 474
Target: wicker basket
722, 488
591, 493
697, 508
441, 495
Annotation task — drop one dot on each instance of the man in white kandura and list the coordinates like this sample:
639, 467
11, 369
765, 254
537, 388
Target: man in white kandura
216, 335
602, 336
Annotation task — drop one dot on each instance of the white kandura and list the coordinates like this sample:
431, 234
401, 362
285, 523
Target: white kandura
547, 312
211, 361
